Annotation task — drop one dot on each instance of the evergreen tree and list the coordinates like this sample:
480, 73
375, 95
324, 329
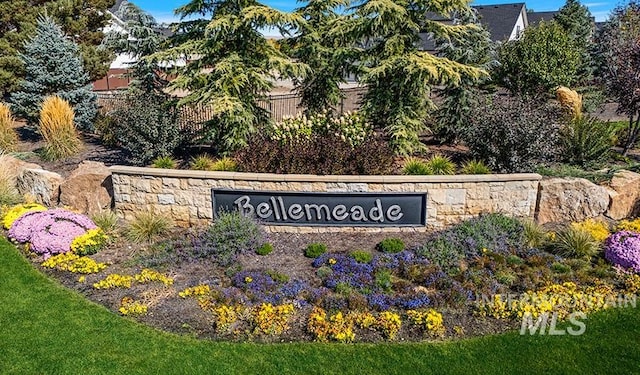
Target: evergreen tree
229, 64
399, 76
577, 21
477, 49
53, 67
83, 20
140, 40
543, 59
325, 55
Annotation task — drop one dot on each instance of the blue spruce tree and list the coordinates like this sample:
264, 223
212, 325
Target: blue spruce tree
53, 66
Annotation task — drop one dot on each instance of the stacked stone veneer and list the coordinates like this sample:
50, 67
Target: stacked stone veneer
186, 195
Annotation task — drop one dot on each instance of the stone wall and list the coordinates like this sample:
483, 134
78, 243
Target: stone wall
186, 195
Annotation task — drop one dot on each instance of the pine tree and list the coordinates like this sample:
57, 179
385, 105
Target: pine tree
477, 49
53, 66
399, 76
577, 21
326, 55
230, 65
82, 20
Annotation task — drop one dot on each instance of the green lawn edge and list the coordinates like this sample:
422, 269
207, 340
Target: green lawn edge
48, 329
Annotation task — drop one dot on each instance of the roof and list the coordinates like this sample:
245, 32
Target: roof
535, 17
499, 19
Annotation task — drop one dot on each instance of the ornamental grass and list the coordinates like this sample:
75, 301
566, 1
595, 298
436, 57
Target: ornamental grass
8, 135
57, 129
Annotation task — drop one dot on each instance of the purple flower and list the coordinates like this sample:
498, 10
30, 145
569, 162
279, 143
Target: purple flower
50, 232
622, 249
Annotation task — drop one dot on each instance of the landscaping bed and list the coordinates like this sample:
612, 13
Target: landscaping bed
345, 287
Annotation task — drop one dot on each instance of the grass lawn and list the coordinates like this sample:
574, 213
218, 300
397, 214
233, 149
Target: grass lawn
47, 329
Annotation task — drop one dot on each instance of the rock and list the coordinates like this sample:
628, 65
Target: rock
88, 189
570, 199
14, 166
43, 186
624, 193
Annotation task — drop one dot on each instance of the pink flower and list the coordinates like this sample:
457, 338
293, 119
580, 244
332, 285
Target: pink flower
50, 232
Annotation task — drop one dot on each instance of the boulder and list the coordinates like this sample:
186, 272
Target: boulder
88, 188
42, 185
624, 193
12, 167
570, 199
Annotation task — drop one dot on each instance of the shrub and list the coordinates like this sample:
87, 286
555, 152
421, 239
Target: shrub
492, 232
148, 225
50, 232
318, 154
224, 164
390, 245
314, 250
231, 234
164, 162
8, 135
417, 167
586, 141
265, 249
622, 249
106, 129
475, 167
361, 256
147, 127
201, 163
350, 127
576, 243
441, 165
57, 129
515, 134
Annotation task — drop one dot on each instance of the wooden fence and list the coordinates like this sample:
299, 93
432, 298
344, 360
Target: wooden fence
193, 117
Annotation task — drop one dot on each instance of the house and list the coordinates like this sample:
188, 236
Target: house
116, 77
536, 17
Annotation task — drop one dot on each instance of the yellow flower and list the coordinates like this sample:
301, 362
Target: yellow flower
248, 279
332, 261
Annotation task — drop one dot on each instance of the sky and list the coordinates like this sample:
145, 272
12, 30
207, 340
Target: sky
162, 10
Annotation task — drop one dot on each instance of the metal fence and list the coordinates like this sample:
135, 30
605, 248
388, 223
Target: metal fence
192, 118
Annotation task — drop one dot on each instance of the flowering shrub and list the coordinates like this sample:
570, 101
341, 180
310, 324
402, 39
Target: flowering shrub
148, 275
629, 225
50, 232
622, 249
429, 320
114, 280
350, 127
130, 307
90, 242
15, 212
271, 320
599, 230
73, 263
563, 299
195, 291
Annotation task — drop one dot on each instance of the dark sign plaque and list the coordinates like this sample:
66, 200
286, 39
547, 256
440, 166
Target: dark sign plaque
325, 209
